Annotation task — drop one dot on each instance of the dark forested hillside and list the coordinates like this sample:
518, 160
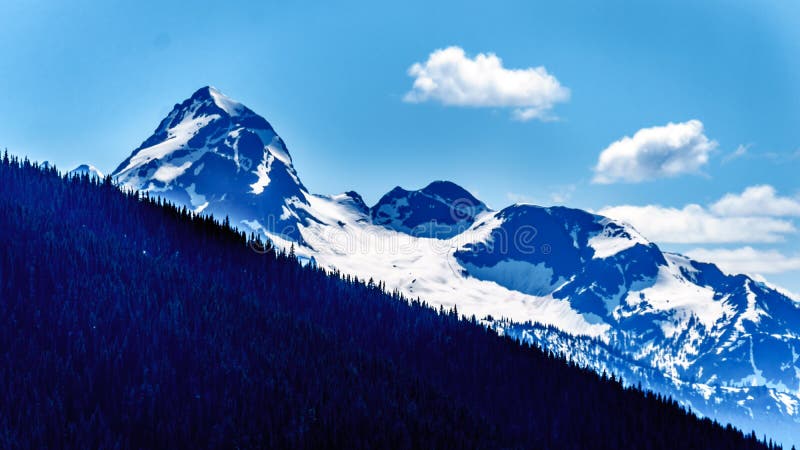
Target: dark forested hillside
125, 323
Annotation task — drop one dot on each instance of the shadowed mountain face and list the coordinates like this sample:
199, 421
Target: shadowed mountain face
564, 247
441, 210
725, 344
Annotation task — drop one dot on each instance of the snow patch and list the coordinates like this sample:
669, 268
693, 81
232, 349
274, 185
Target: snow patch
198, 201
262, 172
753, 313
613, 240
167, 172
673, 293
177, 138
232, 107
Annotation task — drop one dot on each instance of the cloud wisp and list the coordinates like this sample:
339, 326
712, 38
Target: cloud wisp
757, 215
452, 78
761, 200
694, 224
740, 152
656, 152
747, 260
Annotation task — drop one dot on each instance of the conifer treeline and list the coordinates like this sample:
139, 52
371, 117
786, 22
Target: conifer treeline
127, 323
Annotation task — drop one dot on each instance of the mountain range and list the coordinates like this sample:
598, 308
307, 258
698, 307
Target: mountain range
117, 308
586, 286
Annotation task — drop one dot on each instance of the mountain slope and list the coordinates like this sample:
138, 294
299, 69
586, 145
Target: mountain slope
129, 324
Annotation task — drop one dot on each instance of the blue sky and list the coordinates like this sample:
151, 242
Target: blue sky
88, 81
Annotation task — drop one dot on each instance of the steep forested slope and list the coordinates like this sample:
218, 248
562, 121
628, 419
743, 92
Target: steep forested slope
126, 323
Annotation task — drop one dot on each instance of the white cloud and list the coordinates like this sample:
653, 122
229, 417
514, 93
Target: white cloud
755, 216
452, 78
694, 224
657, 152
747, 260
757, 201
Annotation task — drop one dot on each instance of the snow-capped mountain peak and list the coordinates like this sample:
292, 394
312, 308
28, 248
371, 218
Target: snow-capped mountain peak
217, 156
441, 209
230, 106
87, 169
